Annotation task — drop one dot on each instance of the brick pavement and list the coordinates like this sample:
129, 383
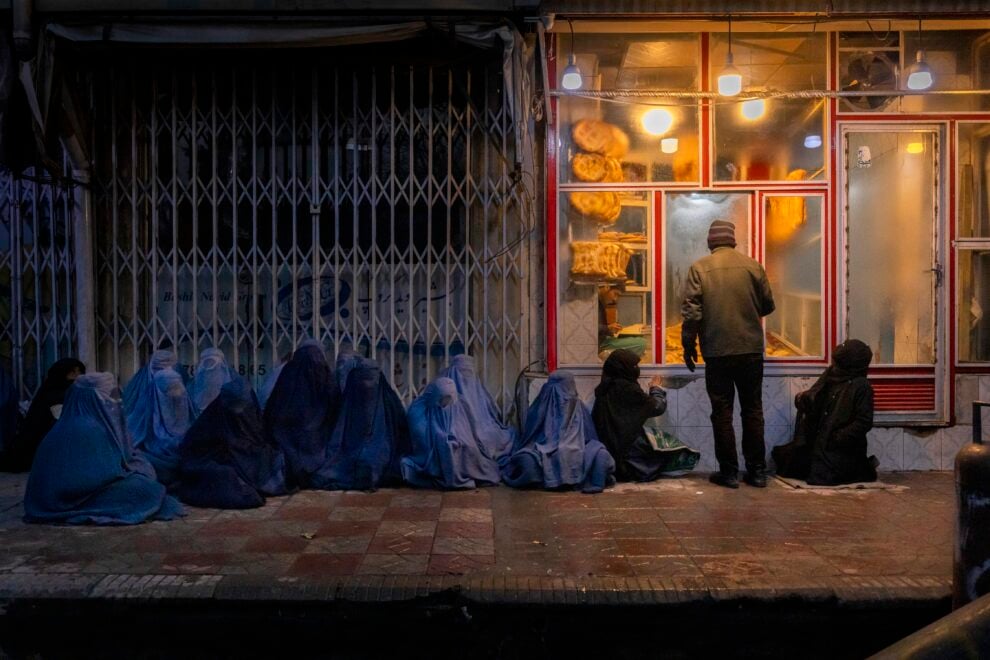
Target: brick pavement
673, 541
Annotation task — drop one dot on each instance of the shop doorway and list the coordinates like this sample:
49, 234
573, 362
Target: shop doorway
893, 272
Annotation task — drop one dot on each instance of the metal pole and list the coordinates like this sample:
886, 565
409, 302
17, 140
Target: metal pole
85, 290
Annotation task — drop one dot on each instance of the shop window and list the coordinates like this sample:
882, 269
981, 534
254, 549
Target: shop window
687, 218
973, 197
614, 141
973, 305
605, 280
771, 139
891, 195
793, 234
959, 59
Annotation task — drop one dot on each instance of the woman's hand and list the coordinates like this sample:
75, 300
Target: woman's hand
656, 381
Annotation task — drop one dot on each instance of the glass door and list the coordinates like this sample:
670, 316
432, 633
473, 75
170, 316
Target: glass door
893, 273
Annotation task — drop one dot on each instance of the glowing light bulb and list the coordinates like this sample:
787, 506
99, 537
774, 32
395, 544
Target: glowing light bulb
668, 145
812, 141
754, 109
920, 74
571, 79
915, 148
657, 121
730, 80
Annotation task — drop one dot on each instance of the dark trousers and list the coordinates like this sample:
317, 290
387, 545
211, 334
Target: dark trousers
724, 376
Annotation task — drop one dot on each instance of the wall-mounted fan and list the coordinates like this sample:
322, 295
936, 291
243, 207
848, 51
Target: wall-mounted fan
869, 71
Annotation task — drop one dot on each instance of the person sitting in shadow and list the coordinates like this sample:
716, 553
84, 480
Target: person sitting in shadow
42, 415
559, 447
495, 437
225, 460
445, 453
86, 469
833, 418
620, 411
212, 373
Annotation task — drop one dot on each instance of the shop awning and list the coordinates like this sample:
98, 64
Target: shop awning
831, 8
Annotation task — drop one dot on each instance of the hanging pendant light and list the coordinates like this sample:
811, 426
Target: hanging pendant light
571, 80
920, 74
730, 80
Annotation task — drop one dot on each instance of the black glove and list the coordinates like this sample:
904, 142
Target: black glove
690, 356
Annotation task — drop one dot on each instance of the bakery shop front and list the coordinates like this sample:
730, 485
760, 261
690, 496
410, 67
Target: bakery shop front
853, 158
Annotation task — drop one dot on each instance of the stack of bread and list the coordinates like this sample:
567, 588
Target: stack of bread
675, 352
602, 146
596, 261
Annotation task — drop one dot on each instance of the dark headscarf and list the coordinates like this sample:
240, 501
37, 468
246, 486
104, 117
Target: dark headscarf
621, 406
300, 412
851, 359
226, 461
39, 419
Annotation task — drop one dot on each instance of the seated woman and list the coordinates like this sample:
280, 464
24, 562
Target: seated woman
9, 412
42, 415
620, 411
833, 418
559, 448
212, 373
225, 460
370, 434
444, 451
265, 391
300, 413
139, 396
86, 470
172, 415
494, 437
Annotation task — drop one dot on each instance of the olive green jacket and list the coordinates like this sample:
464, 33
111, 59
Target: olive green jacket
725, 296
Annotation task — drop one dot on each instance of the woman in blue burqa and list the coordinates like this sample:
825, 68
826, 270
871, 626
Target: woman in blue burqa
300, 413
41, 416
212, 373
559, 447
445, 453
9, 412
370, 434
160, 414
225, 460
495, 437
267, 385
621, 409
86, 470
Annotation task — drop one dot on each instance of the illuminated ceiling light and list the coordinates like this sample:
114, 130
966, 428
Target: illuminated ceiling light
812, 141
730, 80
668, 145
754, 109
915, 147
657, 121
919, 74
571, 80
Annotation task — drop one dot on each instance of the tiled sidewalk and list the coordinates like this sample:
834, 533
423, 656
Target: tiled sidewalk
670, 541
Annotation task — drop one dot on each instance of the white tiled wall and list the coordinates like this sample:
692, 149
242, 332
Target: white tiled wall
688, 411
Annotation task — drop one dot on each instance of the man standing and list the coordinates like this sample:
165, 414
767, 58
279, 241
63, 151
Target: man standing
725, 296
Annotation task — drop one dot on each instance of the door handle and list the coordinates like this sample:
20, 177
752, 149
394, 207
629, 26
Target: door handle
938, 274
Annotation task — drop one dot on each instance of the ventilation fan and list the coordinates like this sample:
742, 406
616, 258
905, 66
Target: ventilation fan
869, 71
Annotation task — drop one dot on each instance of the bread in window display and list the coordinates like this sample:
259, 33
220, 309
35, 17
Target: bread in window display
674, 351
613, 171
595, 261
601, 206
593, 135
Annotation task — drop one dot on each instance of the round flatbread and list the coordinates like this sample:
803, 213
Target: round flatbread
613, 171
618, 146
592, 135
589, 167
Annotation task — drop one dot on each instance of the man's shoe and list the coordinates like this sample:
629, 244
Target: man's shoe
756, 479
724, 479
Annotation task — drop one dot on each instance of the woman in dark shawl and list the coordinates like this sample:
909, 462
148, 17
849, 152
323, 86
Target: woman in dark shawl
268, 385
300, 412
225, 460
833, 418
444, 451
621, 408
496, 437
87, 471
370, 434
559, 448
9, 413
44, 411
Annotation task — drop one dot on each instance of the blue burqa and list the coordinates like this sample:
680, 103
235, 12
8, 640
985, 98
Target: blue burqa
300, 413
346, 361
139, 394
370, 434
171, 415
444, 451
226, 461
268, 385
495, 437
559, 447
212, 373
86, 470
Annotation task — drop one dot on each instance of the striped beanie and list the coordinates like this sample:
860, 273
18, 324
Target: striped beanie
721, 234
